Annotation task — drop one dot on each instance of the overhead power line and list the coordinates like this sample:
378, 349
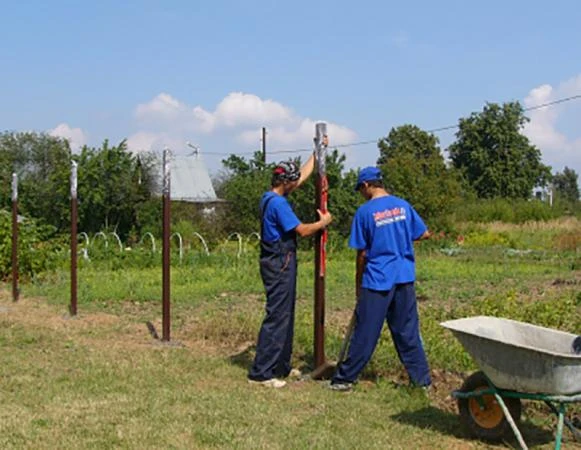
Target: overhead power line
562, 100
375, 141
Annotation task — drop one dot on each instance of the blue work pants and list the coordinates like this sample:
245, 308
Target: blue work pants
398, 308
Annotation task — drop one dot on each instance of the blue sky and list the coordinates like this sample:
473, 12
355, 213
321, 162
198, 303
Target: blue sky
213, 73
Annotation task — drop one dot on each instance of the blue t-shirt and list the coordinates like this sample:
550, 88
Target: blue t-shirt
385, 228
279, 218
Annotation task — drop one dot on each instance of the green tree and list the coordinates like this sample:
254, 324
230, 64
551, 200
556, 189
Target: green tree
42, 163
342, 198
242, 187
494, 156
245, 181
414, 168
112, 186
37, 249
566, 185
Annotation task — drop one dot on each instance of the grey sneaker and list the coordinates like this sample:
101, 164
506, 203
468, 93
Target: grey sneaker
273, 383
341, 387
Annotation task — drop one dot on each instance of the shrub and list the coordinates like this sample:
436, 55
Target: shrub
38, 248
483, 239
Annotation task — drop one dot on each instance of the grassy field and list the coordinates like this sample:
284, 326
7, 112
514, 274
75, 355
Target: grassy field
100, 381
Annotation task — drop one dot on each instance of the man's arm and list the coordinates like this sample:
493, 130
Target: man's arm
360, 267
308, 229
418, 226
427, 235
307, 169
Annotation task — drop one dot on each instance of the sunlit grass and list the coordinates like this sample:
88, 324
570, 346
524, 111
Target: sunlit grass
100, 380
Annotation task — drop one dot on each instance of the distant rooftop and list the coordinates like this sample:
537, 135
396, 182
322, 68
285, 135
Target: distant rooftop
190, 181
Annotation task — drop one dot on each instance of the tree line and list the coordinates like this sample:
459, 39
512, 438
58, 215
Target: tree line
116, 189
491, 162
490, 159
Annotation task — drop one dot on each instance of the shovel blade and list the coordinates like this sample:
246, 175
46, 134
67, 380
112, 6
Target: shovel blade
324, 372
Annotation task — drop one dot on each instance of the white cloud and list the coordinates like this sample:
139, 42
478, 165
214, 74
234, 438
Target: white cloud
239, 109
75, 136
164, 112
558, 148
238, 116
300, 134
144, 141
205, 121
164, 104
235, 110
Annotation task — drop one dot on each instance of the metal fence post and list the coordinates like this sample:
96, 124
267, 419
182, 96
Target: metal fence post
166, 231
15, 290
74, 219
321, 188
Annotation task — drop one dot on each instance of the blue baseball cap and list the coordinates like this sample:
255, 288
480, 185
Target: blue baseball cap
368, 174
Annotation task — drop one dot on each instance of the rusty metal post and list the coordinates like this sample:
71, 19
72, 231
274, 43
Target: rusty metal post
166, 198
15, 290
74, 220
321, 188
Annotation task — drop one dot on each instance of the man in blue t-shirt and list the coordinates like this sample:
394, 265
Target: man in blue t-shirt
383, 232
278, 269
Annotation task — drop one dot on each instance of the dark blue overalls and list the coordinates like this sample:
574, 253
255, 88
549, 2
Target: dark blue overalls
278, 269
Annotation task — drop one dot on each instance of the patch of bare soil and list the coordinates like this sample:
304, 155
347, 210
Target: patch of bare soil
101, 330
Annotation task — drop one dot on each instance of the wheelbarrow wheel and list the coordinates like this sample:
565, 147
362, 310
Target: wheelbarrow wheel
483, 416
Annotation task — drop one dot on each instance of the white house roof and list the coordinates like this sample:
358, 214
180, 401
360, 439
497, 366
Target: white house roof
190, 181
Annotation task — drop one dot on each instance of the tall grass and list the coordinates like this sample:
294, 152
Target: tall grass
508, 211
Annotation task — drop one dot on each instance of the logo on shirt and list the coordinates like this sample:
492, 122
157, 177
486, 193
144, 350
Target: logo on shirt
388, 216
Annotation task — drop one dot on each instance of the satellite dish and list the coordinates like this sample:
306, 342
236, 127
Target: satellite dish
196, 151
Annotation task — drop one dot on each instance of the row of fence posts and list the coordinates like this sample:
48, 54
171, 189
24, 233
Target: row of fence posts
320, 250
166, 237
74, 237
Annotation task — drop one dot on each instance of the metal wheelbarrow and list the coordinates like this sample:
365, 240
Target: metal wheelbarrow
518, 361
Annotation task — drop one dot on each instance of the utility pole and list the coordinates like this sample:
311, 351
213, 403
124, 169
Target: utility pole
263, 140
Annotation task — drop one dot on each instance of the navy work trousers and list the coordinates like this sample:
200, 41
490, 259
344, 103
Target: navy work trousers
399, 309
275, 340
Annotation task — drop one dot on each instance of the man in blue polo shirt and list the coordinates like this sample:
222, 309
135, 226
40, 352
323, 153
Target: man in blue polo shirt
278, 269
382, 232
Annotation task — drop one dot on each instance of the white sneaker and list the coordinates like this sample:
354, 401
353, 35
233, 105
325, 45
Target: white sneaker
341, 387
273, 383
295, 373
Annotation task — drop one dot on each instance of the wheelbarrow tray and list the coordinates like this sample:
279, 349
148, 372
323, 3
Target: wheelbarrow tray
520, 357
